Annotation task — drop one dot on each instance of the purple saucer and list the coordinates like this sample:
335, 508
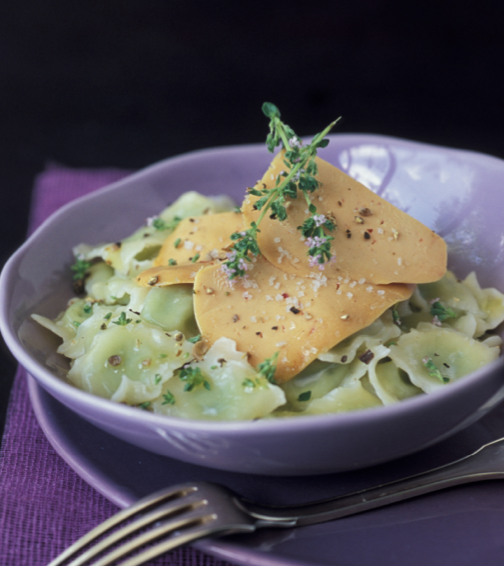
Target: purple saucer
458, 526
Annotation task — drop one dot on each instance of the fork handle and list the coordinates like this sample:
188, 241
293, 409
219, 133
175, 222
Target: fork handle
474, 467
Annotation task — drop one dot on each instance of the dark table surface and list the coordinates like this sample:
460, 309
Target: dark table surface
125, 83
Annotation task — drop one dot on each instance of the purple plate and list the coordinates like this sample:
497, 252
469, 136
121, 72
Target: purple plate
458, 526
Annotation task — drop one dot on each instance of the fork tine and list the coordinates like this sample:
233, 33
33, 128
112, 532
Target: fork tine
143, 505
163, 530
166, 513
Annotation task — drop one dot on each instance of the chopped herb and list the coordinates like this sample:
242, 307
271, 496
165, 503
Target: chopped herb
395, 316
168, 399
214, 367
194, 339
195, 258
160, 224
268, 368
122, 320
176, 243
248, 383
145, 405
157, 379
80, 268
172, 262
88, 308
76, 323
433, 370
163, 356
193, 377
108, 316
305, 396
442, 312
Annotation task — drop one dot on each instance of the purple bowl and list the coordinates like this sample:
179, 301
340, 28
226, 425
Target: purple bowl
456, 193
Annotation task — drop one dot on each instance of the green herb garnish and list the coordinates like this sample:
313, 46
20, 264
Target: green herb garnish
122, 320
433, 370
441, 312
268, 368
88, 308
157, 379
299, 175
248, 383
108, 316
160, 224
305, 396
172, 262
176, 243
193, 377
194, 339
168, 399
195, 258
395, 316
145, 405
80, 268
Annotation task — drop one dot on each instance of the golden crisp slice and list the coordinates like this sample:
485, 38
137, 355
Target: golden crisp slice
164, 275
201, 237
273, 311
374, 240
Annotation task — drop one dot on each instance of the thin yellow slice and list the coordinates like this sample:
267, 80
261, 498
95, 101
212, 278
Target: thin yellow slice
164, 275
273, 311
374, 240
200, 237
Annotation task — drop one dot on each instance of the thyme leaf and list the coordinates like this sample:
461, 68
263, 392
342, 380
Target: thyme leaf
193, 377
268, 368
433, 370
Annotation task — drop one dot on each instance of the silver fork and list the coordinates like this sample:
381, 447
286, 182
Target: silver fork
185, 513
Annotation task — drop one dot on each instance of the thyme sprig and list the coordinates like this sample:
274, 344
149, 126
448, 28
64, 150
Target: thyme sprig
299, 175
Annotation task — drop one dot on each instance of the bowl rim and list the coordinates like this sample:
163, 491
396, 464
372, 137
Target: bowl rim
49, 381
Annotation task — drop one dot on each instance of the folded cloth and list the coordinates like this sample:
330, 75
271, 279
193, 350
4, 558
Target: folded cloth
44, 504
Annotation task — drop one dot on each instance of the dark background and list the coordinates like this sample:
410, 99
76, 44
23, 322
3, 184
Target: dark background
124, 83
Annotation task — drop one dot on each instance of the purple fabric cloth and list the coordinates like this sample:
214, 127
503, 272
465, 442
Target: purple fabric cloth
44, 504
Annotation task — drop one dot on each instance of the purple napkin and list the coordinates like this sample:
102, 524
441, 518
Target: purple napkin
44, 504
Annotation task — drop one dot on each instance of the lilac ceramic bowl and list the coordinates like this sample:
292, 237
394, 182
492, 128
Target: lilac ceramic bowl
458, 194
